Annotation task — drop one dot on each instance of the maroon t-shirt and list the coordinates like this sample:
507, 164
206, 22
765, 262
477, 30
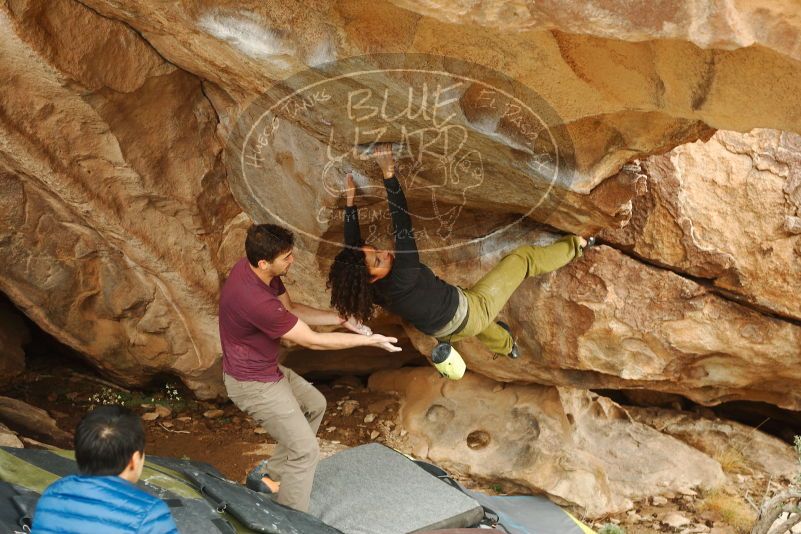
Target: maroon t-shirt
252, 321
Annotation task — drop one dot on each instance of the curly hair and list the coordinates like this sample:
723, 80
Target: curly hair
352, 294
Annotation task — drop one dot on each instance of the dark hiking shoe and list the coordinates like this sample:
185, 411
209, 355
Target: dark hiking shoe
515, 352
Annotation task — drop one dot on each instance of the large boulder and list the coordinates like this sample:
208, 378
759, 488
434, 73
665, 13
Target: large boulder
724, 26
14, 335
32, 421
635, 83
8, 438
727, 211
118, 213
738, 447
578, 448
113, 194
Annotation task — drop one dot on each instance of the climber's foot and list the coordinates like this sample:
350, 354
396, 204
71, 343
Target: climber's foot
259, 480
271, 484
515, 352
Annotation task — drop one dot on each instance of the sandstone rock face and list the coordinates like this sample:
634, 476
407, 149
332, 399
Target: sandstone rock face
32, 421
123, 204
726, 26
14, 334
566, 53
118, 222
8, 438
113, 194
748, 244
579, 448
727, 441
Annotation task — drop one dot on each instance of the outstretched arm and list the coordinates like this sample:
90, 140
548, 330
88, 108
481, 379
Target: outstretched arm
306, 337
311, 316
353, 236
320, 317
405, 244
401, 222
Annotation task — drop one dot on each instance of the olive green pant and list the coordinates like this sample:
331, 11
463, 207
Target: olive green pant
486, 298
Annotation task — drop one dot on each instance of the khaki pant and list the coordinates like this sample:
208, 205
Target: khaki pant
290, 410
486, 298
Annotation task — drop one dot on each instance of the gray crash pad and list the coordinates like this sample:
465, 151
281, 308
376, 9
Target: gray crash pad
372, 488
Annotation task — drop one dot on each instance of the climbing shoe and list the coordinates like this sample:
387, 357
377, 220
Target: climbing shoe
515, 352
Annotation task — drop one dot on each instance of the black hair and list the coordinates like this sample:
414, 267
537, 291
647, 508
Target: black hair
267, 242
105, 440
352, 294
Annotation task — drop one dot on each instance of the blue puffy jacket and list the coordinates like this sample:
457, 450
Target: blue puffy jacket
107, 505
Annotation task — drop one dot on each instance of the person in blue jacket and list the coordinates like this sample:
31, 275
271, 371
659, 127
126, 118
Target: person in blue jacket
110, 452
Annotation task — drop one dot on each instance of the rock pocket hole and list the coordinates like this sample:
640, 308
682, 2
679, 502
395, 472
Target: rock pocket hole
439, 414
478, 439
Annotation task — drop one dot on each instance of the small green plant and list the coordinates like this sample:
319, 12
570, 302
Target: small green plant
497, 488
611, 528
107, 396
171, 392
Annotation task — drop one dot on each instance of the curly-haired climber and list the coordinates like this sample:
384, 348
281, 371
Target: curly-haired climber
362, 277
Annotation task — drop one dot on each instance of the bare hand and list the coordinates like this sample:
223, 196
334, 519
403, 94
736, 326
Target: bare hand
385, 159
385, 342
355, 326
582, 242
350, 189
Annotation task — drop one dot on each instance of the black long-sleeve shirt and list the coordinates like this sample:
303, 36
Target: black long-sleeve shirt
410, 290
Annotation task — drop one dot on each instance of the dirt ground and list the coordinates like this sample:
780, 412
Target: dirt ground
180, 426
217, 433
